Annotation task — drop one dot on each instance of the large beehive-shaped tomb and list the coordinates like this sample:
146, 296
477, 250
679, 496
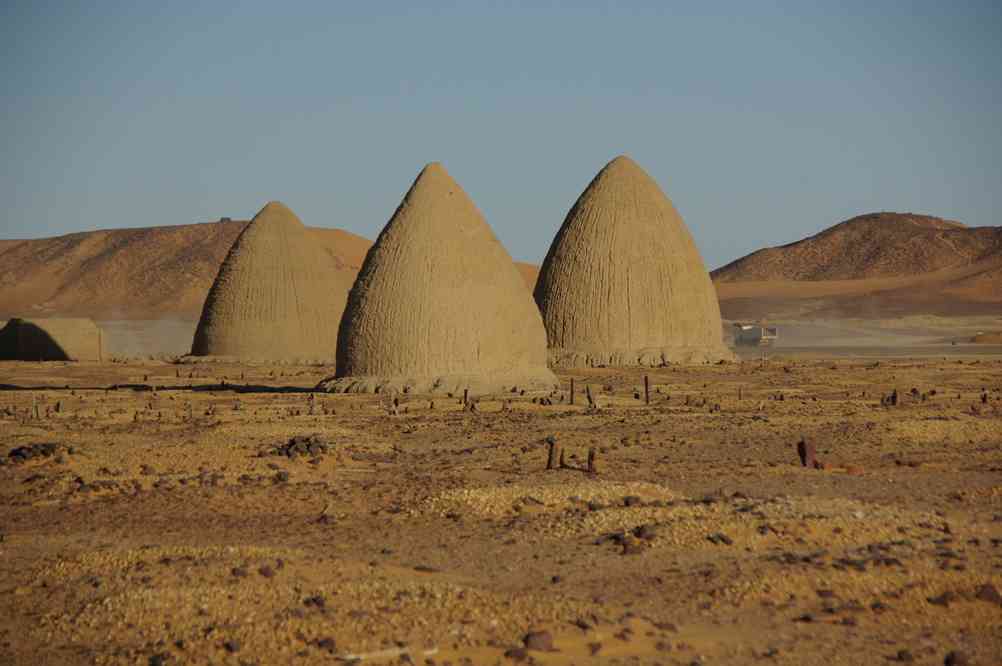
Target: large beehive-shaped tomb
51, 339
438, 305
277, 298
623, 282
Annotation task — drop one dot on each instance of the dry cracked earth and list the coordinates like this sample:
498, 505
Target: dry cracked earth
210, 514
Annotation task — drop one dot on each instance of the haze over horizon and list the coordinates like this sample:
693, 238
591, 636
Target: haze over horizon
763, 123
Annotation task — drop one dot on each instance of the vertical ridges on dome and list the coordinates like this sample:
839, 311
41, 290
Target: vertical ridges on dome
623, 282
277, 295
438, 304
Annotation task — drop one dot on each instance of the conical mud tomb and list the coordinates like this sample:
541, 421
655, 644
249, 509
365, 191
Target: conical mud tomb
277, 297
438, 305
623, 282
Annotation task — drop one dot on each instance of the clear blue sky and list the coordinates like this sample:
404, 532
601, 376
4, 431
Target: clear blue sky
763, 121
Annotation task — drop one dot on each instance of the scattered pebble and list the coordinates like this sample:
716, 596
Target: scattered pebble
23, 454
303, 445
317, 601
541, 641
989, 593
944, 599
646, 532
956, 658
517, 654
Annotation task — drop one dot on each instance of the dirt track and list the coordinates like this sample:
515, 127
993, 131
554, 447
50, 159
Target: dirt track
166, 528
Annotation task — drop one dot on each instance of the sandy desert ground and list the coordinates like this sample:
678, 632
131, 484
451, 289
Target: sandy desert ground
167, 338
156, 516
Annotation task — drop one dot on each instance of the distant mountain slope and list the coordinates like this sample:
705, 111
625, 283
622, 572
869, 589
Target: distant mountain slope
877, 265
143, 273
877, 245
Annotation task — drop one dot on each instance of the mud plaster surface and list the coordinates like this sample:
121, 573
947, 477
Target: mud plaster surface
439, 305
278, 296
623, 282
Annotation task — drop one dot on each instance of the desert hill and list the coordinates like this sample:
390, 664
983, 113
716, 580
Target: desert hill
871, 266
142, 273
877, 245
876, 265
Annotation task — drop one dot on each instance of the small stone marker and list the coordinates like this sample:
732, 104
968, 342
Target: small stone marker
553, 459
807, 453
539, 640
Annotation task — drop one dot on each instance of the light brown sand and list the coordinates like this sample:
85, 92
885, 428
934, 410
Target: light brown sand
170, 530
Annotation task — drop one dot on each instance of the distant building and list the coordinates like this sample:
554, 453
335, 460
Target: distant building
225, 219
754, 335
51, 339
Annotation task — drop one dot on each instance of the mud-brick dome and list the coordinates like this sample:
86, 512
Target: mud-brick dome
623, 282
438, 305
277, 297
